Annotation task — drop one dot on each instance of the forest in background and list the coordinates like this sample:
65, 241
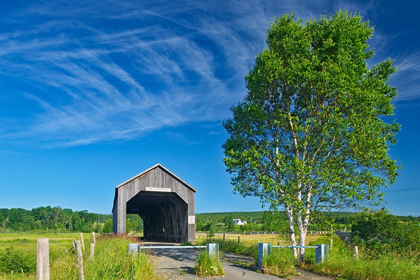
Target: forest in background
56, 219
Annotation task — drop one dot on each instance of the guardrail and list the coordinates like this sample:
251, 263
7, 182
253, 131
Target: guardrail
321, 253
136, 248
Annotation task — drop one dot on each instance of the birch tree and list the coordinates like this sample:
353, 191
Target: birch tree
314, 129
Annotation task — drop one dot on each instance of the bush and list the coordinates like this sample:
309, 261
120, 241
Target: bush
207, 265
383, 232
12, 261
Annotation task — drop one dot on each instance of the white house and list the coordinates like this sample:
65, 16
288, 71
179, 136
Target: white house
239, 222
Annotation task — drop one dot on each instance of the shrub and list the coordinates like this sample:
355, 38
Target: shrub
383, 232
12, 261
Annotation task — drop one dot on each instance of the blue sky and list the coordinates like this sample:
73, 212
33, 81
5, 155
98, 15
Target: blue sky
94, 92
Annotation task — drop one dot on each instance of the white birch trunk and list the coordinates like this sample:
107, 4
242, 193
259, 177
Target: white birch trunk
302, 236
289, 212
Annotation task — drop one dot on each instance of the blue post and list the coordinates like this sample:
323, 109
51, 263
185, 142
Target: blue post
263, 249
213, 249
321, 253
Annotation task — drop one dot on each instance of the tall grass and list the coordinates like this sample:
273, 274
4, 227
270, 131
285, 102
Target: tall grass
207, 265
341, 263
111, 261
280, 262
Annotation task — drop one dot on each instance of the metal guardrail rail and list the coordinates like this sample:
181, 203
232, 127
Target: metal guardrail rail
281, 246
172, 247
321, 253
136, 248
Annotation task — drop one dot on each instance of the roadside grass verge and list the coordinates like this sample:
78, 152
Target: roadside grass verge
342, 264
207, 265
111, 261
280, 262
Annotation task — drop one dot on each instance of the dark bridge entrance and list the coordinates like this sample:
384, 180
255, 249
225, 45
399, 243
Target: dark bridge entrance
163, 200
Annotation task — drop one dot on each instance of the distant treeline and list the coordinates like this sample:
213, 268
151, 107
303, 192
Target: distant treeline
60, 220
275, 221
66, 220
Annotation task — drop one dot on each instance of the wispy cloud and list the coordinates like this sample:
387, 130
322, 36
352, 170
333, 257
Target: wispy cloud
106, 70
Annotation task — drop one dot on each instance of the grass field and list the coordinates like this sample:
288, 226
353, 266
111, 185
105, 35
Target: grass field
111, 258
341, 263
252, 239
27, 241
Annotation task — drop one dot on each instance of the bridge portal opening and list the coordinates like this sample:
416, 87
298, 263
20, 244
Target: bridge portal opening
164, 202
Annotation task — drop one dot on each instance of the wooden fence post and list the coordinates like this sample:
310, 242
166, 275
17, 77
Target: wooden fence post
224, 237
93, 237
239, 240
331, 243
81, 240
79, 260
42, 259
92, 251
356, 252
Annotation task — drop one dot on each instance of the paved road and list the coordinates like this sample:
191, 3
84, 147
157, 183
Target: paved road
178, 264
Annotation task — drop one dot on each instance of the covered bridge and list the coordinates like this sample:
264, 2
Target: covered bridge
163, 200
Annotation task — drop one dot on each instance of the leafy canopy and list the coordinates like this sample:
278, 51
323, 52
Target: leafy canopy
310, 133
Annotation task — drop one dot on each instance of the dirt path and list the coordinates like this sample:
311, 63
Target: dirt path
178, 264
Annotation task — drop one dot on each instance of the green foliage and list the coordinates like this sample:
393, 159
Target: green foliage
12, 261
207, 265
383, 232
280, 262
57, 219
108, 226
111, 262
310, 133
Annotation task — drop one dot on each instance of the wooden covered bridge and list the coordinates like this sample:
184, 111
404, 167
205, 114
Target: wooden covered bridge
163, 200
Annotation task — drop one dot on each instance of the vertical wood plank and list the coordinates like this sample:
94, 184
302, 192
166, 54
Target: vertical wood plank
81, 240
80, 260
42, 259
92, 251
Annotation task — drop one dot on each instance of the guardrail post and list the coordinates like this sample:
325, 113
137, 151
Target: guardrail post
213, 249
356, 252
133, 249
263, 249
321, 253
